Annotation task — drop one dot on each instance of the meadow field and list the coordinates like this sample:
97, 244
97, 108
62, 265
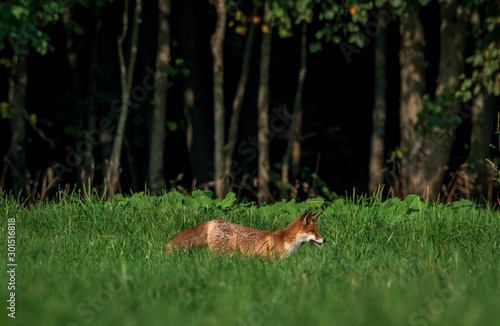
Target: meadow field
85, 261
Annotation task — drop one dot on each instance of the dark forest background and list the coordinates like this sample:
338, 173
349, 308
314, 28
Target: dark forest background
334, 96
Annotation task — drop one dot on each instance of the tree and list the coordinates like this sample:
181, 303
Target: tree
292, 153
412, 61
156, 152
126, 78
17, 99
376, 164
482, 120
22, 25
263, 109
482, 89
440, 133
219, 111
336, 22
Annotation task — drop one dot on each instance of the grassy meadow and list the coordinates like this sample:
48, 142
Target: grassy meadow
385, 262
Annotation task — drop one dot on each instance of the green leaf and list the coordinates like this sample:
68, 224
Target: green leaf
18, 11
477, 60
329, 14
78, 30
4, 110
396, 3
172, 126
240, 29
228, 202
412, 202
352, 27
360, 18
316, 201
339, 202
315, 47
284, 32
463, 203
466, 84
477, 88
360, 40
202, 194
496, 90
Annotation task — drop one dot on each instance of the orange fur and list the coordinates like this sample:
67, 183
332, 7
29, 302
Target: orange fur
223, 237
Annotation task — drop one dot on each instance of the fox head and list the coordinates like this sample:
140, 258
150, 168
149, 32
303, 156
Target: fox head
303, 229
310, 228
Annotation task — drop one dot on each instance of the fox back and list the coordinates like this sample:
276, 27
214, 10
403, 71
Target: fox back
223, 237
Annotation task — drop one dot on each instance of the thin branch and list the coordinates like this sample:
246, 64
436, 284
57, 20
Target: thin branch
240, 93
39, 131
134, 42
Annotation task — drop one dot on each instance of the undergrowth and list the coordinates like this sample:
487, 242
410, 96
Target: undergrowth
84, 261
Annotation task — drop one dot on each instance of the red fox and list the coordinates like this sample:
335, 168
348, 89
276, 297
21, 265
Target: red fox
223, 237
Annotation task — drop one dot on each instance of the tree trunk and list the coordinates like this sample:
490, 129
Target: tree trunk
197, 110
454, 20
293, 147
263, 110
240, 93
412, 61
376, 164
17, 99
156, 160
483, 122
127, 76
217, 43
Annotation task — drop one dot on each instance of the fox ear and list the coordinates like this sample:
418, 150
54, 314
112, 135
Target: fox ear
315, 216
307, 218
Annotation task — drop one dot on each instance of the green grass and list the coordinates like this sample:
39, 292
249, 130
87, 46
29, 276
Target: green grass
86, 262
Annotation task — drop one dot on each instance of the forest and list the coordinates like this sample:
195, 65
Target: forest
269, 99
